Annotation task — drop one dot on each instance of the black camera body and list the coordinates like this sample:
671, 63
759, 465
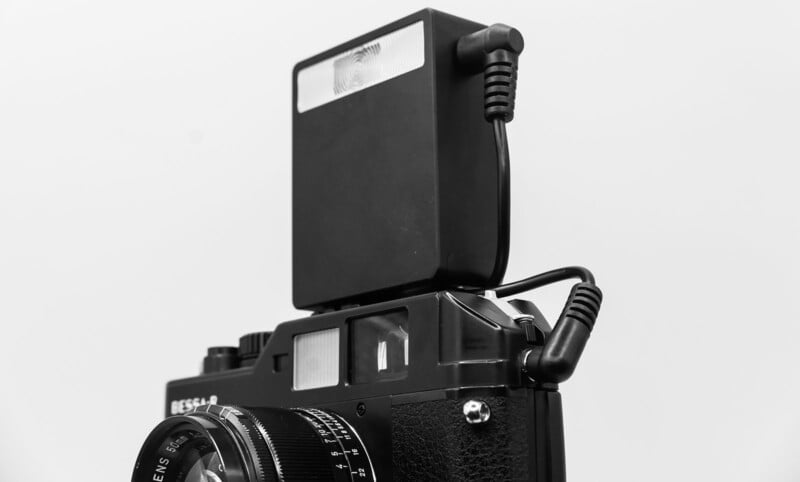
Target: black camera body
413, 366
462, 350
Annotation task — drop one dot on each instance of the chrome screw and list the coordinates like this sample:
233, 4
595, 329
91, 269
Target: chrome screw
476, 411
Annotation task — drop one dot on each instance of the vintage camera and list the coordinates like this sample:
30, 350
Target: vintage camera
414, 365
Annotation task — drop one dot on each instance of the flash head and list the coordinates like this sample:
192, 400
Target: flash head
397, 188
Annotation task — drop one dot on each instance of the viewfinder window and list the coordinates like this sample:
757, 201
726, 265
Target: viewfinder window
379, 347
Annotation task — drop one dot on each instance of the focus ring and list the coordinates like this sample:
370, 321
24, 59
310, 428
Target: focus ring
298, 450
348, 456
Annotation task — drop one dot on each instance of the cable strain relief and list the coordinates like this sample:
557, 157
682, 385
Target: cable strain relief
500, 85
583, 304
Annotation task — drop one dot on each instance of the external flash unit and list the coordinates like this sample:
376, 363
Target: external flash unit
414, 364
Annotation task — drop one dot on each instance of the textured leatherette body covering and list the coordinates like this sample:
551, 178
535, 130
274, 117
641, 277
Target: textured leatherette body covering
432, 441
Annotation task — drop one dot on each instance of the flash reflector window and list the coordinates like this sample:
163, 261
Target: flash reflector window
316, 359
374, 62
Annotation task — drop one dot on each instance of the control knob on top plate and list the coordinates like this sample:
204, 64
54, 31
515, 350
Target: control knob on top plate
250, 346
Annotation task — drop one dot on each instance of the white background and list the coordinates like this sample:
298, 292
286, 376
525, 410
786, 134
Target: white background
144, 215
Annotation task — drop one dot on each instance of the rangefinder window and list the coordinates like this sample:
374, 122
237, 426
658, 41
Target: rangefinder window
316, 359
379, 347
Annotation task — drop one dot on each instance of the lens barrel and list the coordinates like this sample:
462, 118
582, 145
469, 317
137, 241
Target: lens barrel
216, 443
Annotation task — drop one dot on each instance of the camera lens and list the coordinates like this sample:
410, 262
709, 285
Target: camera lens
216, 443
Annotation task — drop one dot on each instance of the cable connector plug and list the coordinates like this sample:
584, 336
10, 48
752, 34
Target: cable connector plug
556, 360
495, 51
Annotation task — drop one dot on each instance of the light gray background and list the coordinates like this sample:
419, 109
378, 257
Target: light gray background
144, 215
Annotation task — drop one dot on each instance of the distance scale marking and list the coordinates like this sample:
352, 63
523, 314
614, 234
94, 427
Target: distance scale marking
347, 453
